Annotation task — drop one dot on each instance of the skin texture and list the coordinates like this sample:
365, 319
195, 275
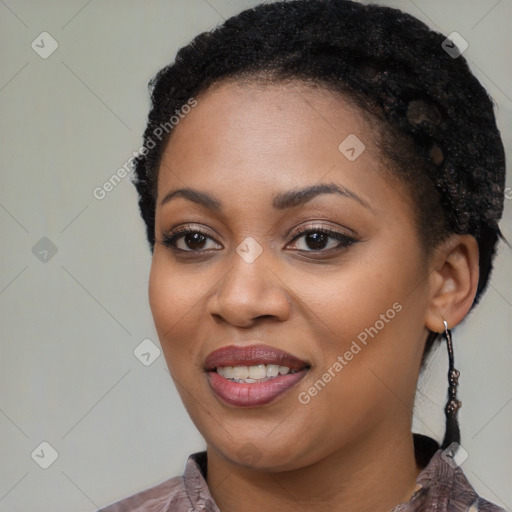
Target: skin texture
350, 447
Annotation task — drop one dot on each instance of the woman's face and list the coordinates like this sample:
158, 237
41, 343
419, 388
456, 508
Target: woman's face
299, 251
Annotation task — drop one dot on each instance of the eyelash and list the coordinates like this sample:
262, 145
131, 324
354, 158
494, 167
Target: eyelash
169, 239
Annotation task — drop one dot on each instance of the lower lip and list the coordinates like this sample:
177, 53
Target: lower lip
242, 394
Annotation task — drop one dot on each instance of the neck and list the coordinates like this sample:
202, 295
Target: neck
372, 478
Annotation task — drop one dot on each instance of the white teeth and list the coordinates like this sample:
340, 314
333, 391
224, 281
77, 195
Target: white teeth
283, 370
272, 370
252, 374
257, 372
226, 372
240, 372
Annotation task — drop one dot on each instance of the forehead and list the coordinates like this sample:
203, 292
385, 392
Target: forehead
271, 136
292, 110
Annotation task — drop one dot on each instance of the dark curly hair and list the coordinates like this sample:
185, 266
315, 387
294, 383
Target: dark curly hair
434, 121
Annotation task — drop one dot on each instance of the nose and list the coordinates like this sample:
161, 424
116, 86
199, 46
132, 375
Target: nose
249, 292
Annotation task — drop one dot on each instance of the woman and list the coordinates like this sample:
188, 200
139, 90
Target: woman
321, 183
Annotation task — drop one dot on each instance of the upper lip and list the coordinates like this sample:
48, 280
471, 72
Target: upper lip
251, 355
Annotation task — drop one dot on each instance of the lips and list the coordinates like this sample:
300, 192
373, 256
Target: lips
250, 356
256, 392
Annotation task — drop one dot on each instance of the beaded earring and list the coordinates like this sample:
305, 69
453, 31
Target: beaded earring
452, 433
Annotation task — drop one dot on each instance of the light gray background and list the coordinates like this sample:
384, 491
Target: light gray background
68, 374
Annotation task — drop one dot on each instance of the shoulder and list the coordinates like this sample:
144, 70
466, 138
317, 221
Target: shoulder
179, 494
447, 487
481, 505
168, 495
464, 496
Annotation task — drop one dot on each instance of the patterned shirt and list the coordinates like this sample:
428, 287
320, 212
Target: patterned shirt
440, 487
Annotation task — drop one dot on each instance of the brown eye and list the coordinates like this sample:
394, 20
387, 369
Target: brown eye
194, 241
189, 240
316, 241
321, 240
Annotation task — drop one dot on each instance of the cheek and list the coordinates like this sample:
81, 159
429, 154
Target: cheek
346, 300
369, 313
174, 301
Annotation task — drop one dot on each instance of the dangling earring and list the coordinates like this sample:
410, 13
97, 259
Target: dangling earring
453, 404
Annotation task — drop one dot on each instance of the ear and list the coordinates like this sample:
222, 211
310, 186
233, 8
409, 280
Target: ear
454, 274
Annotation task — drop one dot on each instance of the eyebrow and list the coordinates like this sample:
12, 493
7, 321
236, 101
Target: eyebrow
289, 199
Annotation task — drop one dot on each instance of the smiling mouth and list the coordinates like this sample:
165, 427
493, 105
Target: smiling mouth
252, 375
